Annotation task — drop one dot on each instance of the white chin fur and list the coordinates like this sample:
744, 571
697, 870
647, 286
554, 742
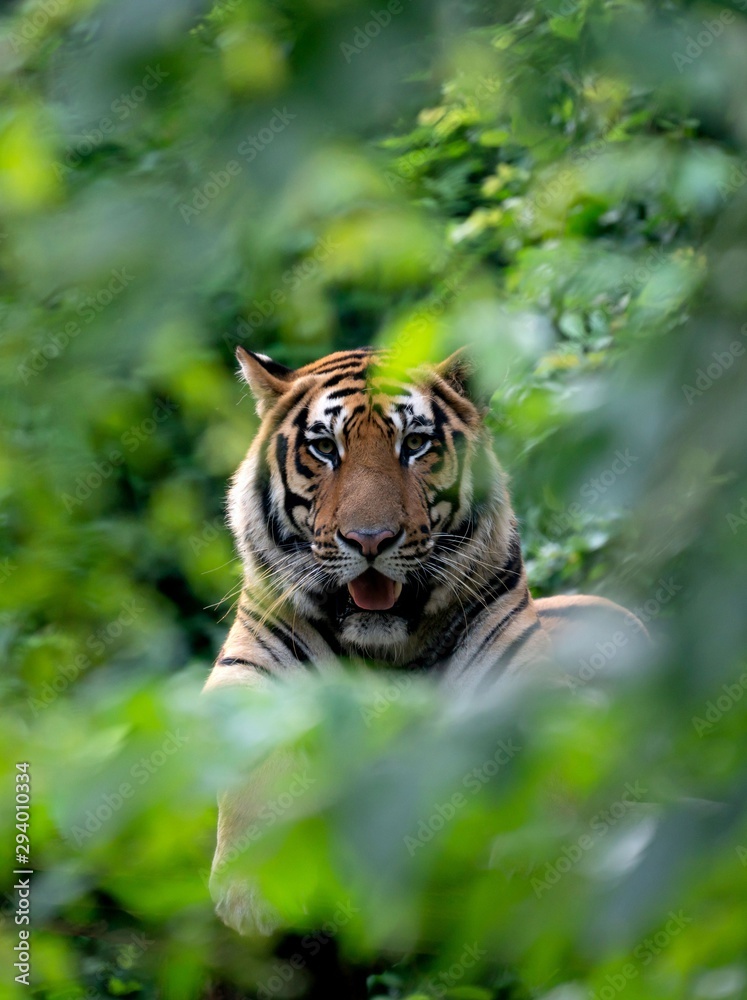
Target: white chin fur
374, 631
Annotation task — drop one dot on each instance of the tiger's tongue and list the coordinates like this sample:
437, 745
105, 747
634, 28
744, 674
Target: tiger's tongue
372, 591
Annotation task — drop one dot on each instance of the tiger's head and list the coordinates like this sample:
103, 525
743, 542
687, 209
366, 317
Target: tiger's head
362, 490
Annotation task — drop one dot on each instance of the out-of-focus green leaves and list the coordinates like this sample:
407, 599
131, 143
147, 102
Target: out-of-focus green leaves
559, 185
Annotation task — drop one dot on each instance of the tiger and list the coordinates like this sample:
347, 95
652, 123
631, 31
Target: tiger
373, 521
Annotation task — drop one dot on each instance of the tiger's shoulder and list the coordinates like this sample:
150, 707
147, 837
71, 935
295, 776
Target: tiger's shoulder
591, 635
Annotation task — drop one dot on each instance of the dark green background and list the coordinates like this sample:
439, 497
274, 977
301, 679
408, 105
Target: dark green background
559, 185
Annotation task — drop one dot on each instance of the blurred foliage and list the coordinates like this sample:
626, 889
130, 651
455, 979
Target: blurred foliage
560, 185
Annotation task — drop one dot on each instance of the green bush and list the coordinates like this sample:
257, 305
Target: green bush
558, 185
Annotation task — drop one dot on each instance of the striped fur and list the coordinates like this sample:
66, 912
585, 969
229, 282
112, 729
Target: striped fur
349, 450
465, 610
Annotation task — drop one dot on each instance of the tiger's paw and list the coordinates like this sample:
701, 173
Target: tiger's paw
240, 905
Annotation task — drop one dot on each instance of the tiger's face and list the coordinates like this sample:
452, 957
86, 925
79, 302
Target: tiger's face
357, 488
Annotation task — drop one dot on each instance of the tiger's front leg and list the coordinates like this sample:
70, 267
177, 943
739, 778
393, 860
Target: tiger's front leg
235, 891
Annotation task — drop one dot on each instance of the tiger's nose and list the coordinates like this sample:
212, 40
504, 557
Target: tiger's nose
371, 543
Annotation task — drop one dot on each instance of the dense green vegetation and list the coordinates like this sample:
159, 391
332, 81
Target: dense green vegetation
559, 185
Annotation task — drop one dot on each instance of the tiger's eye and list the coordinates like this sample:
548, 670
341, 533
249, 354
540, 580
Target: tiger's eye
414, 442
325, 446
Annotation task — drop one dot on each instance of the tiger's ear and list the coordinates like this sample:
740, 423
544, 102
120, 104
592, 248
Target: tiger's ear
267, 380
458, 372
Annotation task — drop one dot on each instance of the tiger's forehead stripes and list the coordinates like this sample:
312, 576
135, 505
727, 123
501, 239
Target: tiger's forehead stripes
347, 410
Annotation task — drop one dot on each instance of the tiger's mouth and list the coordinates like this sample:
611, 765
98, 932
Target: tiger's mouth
374, 594
372, 591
